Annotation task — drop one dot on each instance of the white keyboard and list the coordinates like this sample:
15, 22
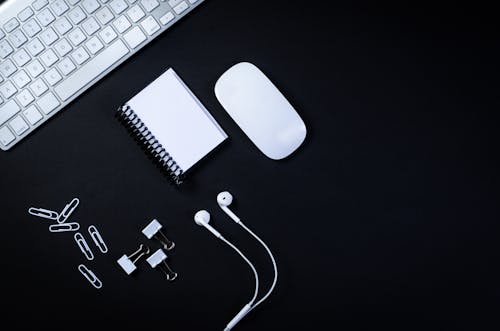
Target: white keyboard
53, 50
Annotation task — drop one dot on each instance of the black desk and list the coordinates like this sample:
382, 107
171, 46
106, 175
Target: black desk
386, 217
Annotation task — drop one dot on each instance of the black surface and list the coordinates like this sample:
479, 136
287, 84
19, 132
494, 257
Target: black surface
386, 218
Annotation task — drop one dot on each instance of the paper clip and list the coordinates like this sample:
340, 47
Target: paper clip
99, 242
68, 210
159, 257
91, 277
153, 230
128, 262
66, 227
43, 213
84, 247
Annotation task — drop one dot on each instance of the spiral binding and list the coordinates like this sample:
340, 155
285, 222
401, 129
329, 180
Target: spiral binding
151, 145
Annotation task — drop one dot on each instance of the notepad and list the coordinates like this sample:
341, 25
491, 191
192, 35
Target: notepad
173, 124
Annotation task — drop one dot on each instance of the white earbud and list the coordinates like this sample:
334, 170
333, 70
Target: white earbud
202, 218
225, 199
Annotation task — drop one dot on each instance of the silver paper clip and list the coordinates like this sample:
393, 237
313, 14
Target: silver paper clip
66, 227
84, 247
153, 230
68, 210
128, 262
91, 277
44, 213
99, 242
159, 259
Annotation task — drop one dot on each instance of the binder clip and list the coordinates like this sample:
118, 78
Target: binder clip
153, 230
128, 262
158, 259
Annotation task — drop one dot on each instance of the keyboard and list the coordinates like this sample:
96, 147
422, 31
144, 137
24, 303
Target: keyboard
51, 51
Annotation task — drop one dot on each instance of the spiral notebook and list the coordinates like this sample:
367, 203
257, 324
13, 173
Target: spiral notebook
172, 124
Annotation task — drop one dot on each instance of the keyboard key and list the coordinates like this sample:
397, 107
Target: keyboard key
21, 58
134, 37
59, 7
52, 77
73, 2
2, 34
8, 110
48, 36
77, 15
150, 26
149, 5
11, 25
92, 70
6, 136
45, 17
180, 8
31, 28
135, 13
38, 87
17, 38
32, 115
39, 4
19, 125
66, 66
90, 5
94, 45
5, 49
8, 89
48, 103
90, 26
62, 47
7, 68
35, 68
118, 6
80, 55
193, 1
25, 14
21, 79
122, 24
104, 15
76, 36
167, 18
62, 25
25, 98
173, 3
49, 58
35, 47
108, 34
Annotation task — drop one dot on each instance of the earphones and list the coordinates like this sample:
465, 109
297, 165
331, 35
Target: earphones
202, 218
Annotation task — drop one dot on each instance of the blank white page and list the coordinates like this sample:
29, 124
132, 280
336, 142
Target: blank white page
177, 119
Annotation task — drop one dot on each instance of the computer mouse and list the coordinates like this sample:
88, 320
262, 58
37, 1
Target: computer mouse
260, 110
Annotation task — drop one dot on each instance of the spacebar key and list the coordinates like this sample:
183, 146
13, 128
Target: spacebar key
91, 70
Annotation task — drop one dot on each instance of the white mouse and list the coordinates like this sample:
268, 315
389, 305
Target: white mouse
260, 110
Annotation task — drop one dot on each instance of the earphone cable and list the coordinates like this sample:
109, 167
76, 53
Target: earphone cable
251, 266
273, 261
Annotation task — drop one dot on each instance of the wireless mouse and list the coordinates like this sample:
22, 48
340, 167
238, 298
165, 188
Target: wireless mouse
260, 110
